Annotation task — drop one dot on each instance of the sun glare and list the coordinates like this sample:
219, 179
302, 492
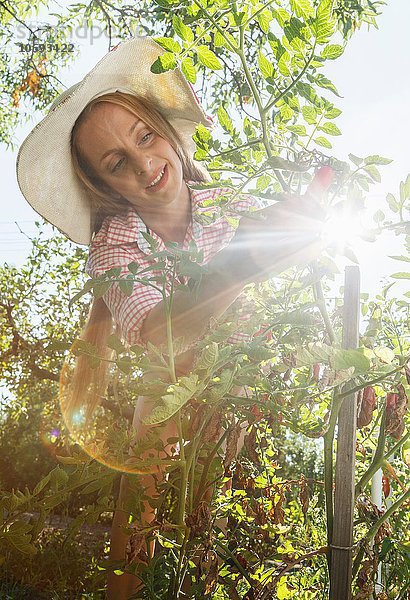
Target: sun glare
343, 229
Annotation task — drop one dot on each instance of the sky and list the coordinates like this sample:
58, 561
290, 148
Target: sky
373, 78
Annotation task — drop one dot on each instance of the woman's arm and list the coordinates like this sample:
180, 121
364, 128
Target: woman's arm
274, 239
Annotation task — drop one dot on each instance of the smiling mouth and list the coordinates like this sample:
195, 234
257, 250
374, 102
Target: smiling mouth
157, 179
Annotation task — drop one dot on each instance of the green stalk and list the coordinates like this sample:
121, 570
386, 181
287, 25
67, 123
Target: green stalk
207, 464
317, 125
378, 457
217, 26
228, 553
357, 388
181, 531
241, 147
184, 479
374, 529
274, 99
397, 446
252, 85
170, 341
321, 304
262, 111
328, 440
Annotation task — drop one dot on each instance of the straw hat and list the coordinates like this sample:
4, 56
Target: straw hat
44, 169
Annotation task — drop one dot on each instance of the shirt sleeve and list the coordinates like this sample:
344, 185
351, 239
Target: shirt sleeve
128, 311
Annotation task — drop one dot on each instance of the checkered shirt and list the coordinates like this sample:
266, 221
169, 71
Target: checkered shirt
120, 242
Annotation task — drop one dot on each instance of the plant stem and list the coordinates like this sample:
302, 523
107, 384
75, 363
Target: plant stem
238, 565
374, 529
321, 304
397, 446
328, 440
274, 99
357, 388
378, 457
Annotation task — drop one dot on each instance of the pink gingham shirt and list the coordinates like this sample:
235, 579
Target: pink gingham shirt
120, 242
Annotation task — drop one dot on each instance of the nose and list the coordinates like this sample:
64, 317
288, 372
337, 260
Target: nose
141, 162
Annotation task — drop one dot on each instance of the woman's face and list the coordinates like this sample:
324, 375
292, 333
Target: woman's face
134, 161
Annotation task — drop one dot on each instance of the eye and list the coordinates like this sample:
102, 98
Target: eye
118, 165
146, 137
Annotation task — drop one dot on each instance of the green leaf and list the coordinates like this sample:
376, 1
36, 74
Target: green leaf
286, 112
265, 66
379, 216
356, 160
115, 343
332, 51
202, 134
153, 244
208, 357
178, 395
188, 69
124, 364
221, 385
326, 84
100, 288
325, 23
401, 275
375, 159
309, 114
133, 267
302, 8
165, 62
126, 286
208, 58
262, 182
373, 171
281, 15
344, 359
332, 113
264, 19
298, 129
405, 453
41, 485
392, 202
182, 30
407, 187
385, 354
219, 39
168, 44
402, 258
330, 128
224, 120
322, 141
284, 64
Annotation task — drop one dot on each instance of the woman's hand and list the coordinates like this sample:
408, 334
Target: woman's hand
285, 234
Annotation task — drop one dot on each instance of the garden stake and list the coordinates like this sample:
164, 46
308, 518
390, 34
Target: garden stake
342, 538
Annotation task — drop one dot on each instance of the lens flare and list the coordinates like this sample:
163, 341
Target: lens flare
342, 228
108, 436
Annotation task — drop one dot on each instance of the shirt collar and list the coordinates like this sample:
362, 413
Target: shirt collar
128, 227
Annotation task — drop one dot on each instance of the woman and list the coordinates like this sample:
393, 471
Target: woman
116, 157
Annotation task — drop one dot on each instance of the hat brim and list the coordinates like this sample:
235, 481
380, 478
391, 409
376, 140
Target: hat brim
44, 168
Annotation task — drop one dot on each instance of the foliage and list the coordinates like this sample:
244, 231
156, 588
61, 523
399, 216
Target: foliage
261, 66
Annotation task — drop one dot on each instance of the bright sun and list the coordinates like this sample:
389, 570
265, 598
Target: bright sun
342, 229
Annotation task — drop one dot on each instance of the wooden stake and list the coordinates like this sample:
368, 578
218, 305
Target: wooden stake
341, 549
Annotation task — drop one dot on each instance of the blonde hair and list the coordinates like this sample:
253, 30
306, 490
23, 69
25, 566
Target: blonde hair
86, 387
